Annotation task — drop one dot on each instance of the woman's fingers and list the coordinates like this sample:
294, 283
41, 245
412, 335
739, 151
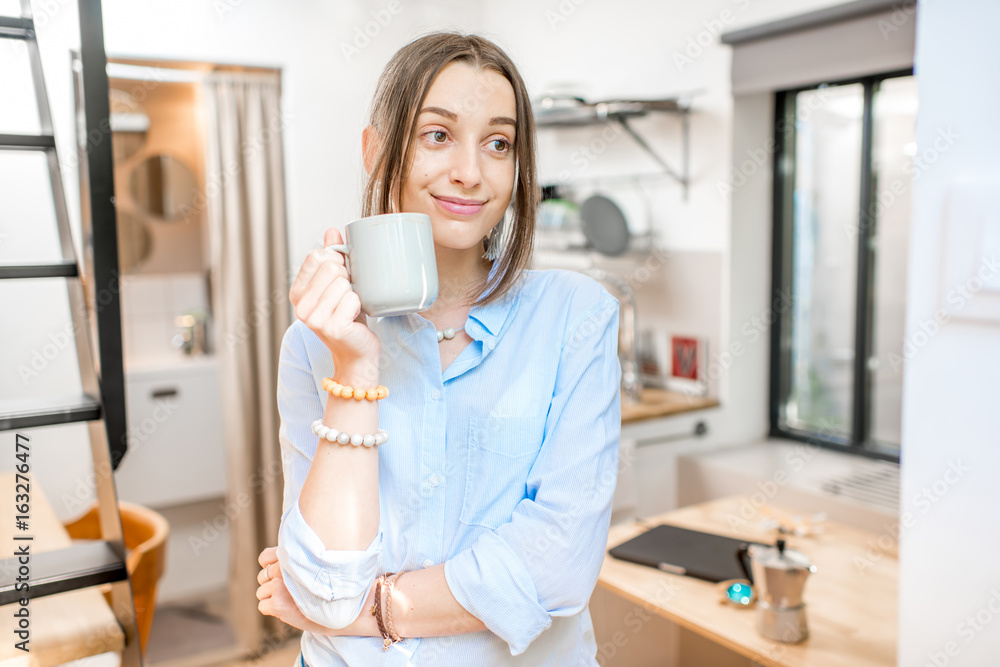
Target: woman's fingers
345, 313
321, 280
270, 568
268, 555
332, 237
314, 261
264, 591
327, 303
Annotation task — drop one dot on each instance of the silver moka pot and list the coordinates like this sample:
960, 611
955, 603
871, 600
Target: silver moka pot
779, 577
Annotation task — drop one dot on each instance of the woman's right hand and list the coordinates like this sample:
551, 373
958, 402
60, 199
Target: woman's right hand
326, 303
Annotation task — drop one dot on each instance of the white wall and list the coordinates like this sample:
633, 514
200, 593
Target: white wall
949, 583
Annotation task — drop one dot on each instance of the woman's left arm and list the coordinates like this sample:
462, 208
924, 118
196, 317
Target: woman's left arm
422, 606
545, 561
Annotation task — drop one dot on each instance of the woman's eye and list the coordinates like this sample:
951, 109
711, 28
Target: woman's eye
500, 145
438, 136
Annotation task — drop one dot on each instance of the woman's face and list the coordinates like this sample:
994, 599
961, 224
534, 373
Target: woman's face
462, 174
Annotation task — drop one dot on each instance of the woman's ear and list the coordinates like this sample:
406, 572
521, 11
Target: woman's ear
371, 145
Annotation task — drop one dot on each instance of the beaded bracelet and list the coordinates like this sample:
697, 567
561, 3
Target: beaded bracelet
376, 393
344, 438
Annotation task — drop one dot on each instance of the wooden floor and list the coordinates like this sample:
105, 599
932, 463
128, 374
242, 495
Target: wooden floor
196, 633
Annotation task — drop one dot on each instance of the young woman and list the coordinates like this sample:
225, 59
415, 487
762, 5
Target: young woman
492, 495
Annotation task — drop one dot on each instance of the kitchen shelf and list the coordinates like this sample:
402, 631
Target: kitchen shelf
575, 112
556, 239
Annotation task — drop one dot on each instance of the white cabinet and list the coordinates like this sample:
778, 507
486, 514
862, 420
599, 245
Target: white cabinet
176, 446
647, 460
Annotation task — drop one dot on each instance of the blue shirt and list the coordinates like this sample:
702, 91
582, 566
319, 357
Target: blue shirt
503, 467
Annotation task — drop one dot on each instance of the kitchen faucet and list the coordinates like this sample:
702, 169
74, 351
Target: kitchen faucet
627, 353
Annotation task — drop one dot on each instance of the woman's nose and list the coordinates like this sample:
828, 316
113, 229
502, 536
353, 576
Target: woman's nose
465, 167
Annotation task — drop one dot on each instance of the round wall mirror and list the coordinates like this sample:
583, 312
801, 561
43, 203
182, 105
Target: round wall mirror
163, 187
135, 242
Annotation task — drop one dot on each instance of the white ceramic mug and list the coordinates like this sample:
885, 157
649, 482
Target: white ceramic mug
391, 261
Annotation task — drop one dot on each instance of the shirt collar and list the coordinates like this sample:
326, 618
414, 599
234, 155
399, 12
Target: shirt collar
490, 318
492, 315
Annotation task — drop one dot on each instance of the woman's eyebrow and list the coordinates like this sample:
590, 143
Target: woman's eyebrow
496, 120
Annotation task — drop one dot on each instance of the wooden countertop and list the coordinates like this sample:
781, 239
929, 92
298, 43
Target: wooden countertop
662, 403
66, 626
851, 610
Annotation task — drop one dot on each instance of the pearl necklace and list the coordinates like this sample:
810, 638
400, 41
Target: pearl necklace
448, 333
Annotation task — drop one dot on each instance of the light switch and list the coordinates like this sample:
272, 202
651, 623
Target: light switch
970, 276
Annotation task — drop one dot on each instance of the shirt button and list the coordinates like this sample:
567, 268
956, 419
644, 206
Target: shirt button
435, 394
428, 563
433, 480
493, 344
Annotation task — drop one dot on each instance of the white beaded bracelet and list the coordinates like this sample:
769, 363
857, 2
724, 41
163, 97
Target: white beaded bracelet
344, 438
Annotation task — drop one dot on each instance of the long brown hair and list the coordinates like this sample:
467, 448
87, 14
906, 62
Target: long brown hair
400, 93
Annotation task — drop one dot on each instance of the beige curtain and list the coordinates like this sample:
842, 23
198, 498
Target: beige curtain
245, 197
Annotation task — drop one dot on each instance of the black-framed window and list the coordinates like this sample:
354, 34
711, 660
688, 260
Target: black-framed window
844, 165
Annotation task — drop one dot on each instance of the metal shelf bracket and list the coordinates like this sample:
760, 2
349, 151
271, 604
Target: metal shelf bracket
620, 111
683, 177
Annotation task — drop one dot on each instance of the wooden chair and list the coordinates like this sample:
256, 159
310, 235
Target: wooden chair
145, 534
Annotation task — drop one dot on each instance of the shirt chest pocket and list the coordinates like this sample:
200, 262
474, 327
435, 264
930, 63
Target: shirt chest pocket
500, 453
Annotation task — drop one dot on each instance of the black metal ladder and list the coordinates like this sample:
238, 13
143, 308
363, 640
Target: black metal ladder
101, 405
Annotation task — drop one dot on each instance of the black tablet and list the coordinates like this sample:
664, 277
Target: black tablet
689, 552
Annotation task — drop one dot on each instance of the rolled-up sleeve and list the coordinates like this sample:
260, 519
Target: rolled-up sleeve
328, 586
545, 561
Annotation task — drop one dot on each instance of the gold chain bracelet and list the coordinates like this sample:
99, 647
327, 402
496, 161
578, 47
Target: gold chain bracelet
388, 608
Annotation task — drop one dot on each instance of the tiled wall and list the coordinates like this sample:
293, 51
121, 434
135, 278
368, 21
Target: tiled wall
149, 305
677, 292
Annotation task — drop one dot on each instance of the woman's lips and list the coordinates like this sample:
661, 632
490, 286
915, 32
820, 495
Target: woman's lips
458, 208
